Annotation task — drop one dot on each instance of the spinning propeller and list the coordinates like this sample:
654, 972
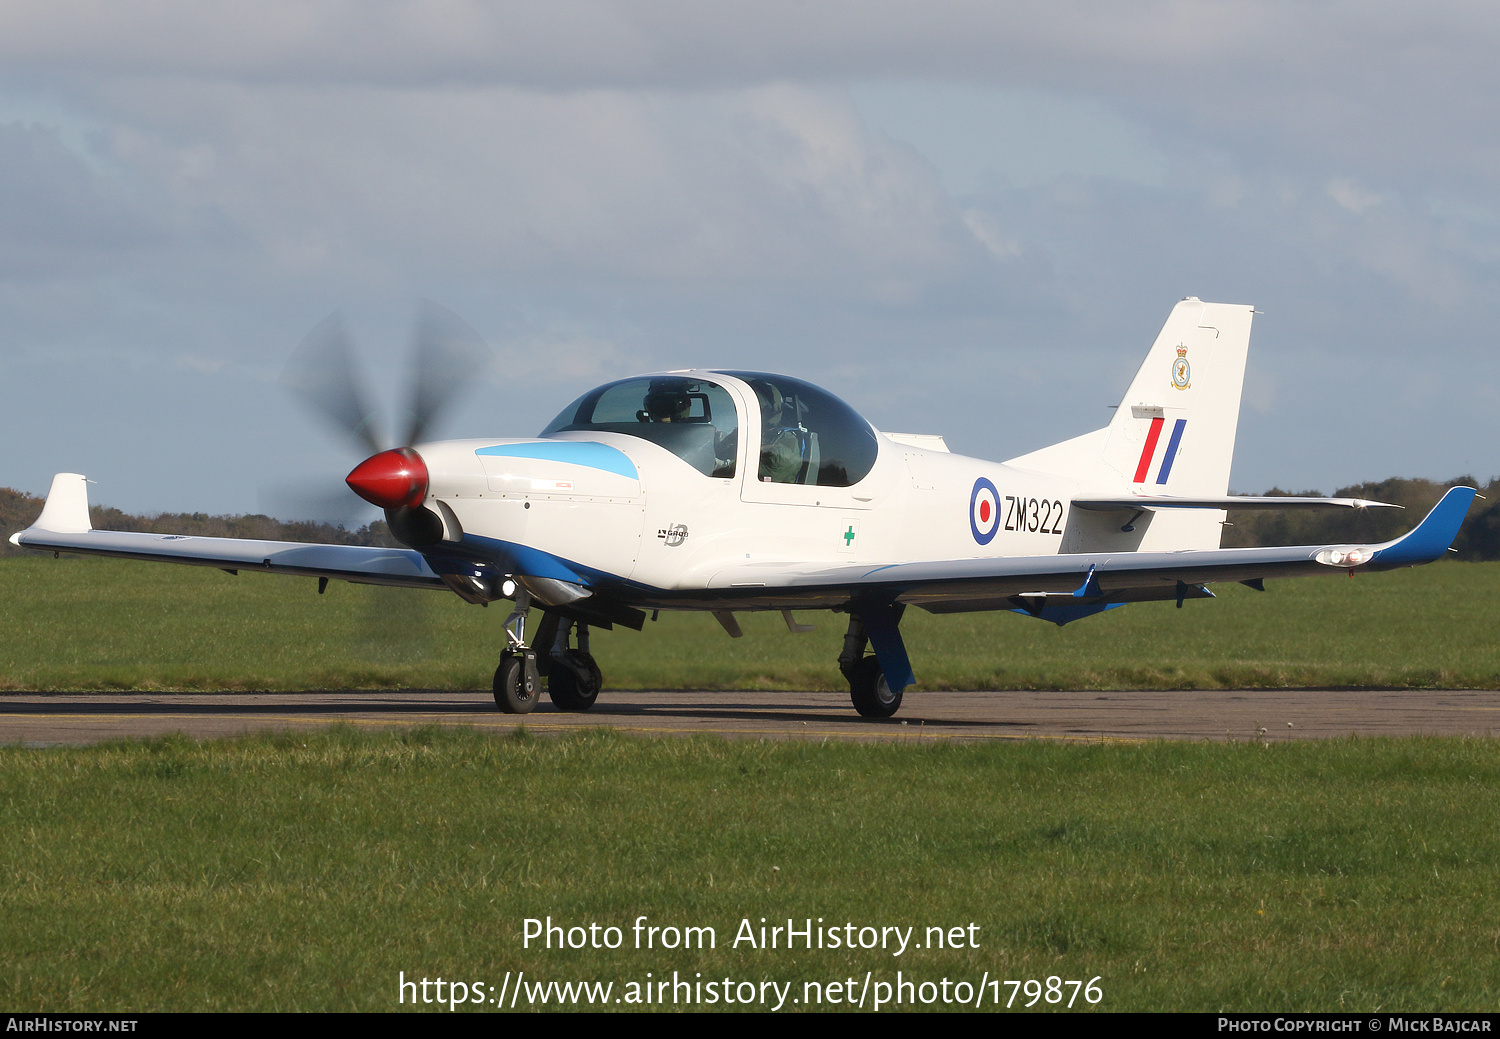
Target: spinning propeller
447, 358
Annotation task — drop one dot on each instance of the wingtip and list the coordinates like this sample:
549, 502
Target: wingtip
1431, 538
67, 507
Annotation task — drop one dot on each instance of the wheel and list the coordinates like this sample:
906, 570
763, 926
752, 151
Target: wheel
574, 684
515, 690
870, 692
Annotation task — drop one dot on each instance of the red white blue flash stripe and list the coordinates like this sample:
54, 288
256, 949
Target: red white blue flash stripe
1148, 453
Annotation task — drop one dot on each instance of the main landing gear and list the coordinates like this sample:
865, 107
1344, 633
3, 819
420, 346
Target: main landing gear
573, 678
868, 687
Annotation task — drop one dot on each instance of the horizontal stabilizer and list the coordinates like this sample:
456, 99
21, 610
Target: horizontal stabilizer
1131, 503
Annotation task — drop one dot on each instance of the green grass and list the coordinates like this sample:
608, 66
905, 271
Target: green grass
105, 624
303, 872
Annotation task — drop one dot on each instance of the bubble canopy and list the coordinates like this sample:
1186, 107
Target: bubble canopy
806, 435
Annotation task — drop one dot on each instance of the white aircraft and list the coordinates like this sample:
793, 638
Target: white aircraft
732, 491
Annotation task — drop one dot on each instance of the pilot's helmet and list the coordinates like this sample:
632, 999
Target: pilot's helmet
667, 401
770, 401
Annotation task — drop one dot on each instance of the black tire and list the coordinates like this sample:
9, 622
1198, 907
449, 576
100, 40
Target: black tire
513, 693
569, 690
868, 689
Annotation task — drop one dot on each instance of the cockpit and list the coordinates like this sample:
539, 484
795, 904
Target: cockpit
692, 418
805, 434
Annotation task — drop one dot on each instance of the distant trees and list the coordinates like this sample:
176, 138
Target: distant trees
18, 510
1479, 538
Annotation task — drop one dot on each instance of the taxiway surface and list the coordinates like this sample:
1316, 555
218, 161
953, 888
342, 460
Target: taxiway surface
52, 718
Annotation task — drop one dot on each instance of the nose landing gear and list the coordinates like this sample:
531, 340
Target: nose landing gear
517, 681
573, 678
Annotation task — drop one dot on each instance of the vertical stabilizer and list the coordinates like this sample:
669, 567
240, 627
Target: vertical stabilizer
1173, 433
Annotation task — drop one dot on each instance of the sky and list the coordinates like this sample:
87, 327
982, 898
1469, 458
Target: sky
965, 217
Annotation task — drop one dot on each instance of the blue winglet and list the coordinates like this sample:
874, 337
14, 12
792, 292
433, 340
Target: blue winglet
1429, 539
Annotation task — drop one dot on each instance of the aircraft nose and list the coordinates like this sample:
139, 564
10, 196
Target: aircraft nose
391, 479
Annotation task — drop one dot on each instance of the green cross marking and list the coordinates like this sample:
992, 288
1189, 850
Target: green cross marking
848, 536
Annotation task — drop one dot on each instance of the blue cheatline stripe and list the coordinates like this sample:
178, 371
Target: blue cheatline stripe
1172, 445
573, 452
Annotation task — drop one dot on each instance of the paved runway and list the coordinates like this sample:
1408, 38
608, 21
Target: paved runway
49, 718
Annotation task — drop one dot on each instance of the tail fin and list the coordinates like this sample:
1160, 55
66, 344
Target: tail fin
1173, 433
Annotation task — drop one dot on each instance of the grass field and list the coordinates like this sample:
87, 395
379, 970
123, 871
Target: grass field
307, 871
76, 623
304, 872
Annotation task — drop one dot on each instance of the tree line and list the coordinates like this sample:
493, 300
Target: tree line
18, 510
1478, 539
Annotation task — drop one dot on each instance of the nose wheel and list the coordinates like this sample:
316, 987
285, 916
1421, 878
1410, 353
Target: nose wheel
517, 682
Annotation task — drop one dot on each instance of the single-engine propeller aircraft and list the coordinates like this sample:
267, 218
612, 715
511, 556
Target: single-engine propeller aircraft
731, 491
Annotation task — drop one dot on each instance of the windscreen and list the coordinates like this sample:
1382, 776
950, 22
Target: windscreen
692, 418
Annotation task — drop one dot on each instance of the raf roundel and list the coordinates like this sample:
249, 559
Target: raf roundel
984, 511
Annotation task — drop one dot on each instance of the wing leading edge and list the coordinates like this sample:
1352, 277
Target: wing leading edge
63, 526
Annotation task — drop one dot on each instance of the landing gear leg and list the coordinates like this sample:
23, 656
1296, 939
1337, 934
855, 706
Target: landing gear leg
573, 678
855, 641
516, 680
868, 688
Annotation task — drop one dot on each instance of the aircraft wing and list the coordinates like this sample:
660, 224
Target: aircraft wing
63, 526
1066, 586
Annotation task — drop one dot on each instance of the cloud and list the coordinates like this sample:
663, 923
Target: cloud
1336, 80
57, 213
934, 207
777, 184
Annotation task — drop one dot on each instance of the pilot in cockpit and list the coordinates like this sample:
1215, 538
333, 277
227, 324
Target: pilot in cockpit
781, 445
671, 401
666, 401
